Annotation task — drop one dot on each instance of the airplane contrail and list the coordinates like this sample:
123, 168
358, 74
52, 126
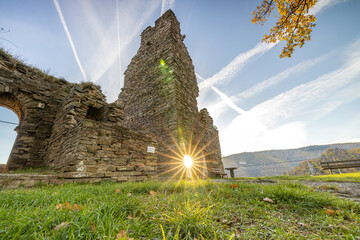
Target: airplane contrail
228, 100
238, 63
62, 19
118, 36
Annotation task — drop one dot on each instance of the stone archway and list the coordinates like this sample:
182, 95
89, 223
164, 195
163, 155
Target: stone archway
35, 98
9, 126
9, 101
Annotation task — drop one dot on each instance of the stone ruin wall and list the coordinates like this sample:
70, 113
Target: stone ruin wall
72, 129
35, 98
90, 143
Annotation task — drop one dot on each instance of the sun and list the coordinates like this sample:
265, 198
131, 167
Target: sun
188, 161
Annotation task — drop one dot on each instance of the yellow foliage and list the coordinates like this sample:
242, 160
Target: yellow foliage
294, 24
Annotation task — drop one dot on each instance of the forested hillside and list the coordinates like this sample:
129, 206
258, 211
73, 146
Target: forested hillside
331, 154
277, 162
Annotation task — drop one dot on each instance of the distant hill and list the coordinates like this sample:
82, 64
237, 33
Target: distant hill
276, 162
331, 154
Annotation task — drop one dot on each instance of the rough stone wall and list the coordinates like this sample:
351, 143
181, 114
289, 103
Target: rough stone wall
35, 98
160, 91
89, 142
69, 121
110, 151
71, 128
210, 140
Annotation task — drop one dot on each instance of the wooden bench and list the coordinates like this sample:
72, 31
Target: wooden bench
355, 163
232, 174
217, 172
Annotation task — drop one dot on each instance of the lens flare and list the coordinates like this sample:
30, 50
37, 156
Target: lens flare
188, 161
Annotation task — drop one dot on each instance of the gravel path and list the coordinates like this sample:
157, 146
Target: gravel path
348, 190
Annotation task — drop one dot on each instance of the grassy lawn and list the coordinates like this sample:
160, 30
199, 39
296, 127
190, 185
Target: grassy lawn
344, 177
176, 210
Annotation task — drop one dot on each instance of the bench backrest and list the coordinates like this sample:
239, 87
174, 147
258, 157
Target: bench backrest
355, 163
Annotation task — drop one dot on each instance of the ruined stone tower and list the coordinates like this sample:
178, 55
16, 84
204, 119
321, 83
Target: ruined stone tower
159, 96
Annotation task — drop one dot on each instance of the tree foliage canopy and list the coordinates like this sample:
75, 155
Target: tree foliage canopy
294, 24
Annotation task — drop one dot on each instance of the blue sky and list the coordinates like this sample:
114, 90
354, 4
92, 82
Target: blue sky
258, 101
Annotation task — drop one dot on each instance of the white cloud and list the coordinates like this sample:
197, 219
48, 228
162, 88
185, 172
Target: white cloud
118, 38
306, 95
105, 56
259, 129
322, 5
247, 133
262, 86
62, 19
236, 65
166, 5
347, 140
335, 100
228, 101
220, 107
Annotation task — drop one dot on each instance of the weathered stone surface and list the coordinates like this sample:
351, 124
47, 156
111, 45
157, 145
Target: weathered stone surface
72, 129
25, 180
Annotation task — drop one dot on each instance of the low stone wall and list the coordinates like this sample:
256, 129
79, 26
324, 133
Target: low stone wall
26, 180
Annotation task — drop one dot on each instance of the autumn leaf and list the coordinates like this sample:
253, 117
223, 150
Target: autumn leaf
59, 206
121, 235
294, 23
77, 207
233, 186
130, 217
92, 227
330, 211
117, 190
68, 205
268, 200
153, 193
61, 225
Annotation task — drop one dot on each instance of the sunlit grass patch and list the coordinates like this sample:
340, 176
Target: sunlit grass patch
176, 210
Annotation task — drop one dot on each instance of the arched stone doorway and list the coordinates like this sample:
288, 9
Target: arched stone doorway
9, 123
10, 102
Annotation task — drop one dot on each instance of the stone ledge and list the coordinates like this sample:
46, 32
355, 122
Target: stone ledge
13, 181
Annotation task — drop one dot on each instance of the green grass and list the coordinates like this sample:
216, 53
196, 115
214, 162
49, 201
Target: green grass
179, 210
344, 177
